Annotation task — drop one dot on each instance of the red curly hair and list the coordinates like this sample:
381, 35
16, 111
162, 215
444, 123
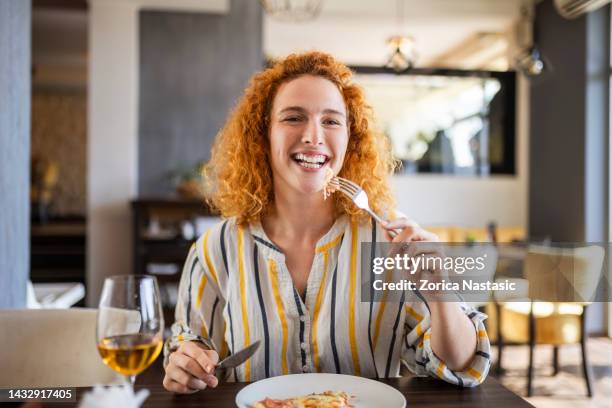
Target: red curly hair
239, 176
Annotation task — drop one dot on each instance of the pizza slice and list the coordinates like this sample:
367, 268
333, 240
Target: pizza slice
327, 399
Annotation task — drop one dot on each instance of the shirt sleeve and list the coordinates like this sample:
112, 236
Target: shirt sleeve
200, 304
421, 360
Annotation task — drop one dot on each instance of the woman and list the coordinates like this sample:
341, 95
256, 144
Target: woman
283, 267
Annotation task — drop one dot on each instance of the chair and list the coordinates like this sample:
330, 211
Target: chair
51, 348
553, 275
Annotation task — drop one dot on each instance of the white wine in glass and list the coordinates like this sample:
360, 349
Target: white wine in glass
130, 324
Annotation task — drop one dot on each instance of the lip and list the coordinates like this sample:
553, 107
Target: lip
311, 153
306, 169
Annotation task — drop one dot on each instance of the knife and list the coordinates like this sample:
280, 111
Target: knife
239, 358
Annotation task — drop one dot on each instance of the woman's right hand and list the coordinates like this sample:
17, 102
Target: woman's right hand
191, 368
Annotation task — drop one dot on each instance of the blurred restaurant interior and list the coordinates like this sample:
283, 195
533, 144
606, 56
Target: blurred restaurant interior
499, 111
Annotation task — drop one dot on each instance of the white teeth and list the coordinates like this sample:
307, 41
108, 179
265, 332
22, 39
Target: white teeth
310, 165
319, 158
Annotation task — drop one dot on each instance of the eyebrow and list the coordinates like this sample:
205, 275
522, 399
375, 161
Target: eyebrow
302, 110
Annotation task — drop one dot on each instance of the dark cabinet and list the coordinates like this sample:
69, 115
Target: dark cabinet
58, 251
164, 230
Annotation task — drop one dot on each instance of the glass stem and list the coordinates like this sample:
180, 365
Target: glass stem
131, 380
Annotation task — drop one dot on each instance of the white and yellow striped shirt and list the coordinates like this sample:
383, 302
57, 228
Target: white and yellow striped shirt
236, 289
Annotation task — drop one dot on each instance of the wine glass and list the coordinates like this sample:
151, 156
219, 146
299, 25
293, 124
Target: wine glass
130, 325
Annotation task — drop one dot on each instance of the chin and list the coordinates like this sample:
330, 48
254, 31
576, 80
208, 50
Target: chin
309, 188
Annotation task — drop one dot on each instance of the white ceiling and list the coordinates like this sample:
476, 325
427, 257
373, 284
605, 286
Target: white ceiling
353, 30
356, 30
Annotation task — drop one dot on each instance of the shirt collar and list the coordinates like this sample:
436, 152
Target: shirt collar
326, 242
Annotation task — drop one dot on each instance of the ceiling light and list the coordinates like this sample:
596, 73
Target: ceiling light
403, 53
402, 47
530, 62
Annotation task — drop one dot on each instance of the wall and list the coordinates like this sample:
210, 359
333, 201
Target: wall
15, 45
570, 110
59, 134
569, 105
192, 69
111, 145
112, 129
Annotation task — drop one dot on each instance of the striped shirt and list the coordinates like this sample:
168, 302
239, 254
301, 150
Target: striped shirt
236, 289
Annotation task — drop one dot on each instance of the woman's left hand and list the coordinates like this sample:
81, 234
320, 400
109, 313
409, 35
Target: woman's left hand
453, 336
408, 232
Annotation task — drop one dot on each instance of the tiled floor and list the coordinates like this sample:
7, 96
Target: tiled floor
567, 388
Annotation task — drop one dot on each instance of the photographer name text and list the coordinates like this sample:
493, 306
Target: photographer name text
444, 285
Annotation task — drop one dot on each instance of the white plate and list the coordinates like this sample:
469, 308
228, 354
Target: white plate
367, 393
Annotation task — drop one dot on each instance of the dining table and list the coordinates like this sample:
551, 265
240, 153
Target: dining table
419, 393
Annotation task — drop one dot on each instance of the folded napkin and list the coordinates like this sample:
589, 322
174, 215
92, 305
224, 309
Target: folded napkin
121, 396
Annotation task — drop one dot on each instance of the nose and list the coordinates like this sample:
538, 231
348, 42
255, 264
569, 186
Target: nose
313, 134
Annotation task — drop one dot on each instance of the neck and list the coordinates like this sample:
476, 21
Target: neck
298, 218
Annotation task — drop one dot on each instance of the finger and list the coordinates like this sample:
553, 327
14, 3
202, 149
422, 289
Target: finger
197, 384
212, 355
177, 374
192, 348
398, 235
400, 223
388, 235
424, 248
188, 364
407, 234
174, 386
211, 380
425, 235
410, 231
417, 234
171, 385
184, 378
197, 350
206, 358
398, 248
392, 229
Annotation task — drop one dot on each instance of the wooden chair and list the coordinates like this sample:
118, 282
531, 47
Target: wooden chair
552, 275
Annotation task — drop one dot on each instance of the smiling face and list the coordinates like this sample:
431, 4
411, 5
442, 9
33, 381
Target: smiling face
308, 133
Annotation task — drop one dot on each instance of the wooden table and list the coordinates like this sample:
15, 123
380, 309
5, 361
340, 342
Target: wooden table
419, 392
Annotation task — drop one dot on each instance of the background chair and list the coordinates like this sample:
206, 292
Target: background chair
552, 275
51, 348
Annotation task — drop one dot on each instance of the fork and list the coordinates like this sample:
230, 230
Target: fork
358, 196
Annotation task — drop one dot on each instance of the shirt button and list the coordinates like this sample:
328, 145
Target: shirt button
302, 318
303, 346
305, 368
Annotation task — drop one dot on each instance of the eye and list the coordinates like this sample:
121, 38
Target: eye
332, 122
292, 119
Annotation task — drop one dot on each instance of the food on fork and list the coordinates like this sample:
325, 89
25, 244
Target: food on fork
327, 399
331, 184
